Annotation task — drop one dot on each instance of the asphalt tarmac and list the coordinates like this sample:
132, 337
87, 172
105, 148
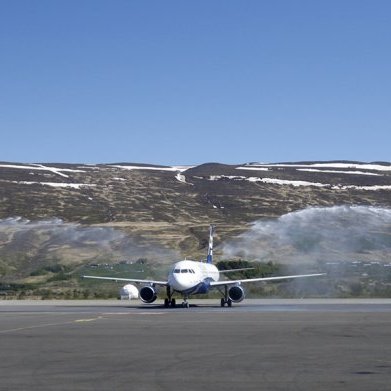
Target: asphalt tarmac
255, 345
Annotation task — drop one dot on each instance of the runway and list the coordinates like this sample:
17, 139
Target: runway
255, 345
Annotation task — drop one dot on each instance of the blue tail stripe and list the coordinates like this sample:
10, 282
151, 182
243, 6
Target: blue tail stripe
209, 258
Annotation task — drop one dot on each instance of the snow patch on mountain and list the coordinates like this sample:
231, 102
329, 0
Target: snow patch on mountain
362, 166
275, 181
155, 168
338, 172
54, 184
40, 167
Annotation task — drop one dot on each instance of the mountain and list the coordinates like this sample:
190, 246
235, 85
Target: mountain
212, 192
142, 210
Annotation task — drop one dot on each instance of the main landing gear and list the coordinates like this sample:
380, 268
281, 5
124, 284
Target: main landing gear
172, 303
169, 301
226, 300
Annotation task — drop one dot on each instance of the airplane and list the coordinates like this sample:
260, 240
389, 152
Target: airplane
189, 277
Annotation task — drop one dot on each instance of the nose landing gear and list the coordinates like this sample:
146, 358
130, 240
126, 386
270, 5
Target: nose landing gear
185, 303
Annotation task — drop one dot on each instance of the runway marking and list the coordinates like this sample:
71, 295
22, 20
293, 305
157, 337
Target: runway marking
35, 327
87, 320
48, 325
133, 313
152, 313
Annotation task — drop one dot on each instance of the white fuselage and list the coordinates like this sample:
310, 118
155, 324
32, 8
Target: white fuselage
192, 277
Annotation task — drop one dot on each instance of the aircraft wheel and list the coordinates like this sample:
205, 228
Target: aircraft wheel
166, 302
229, 302
173, 303
222, 303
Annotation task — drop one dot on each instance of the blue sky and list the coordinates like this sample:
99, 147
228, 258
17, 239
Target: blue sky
189, 82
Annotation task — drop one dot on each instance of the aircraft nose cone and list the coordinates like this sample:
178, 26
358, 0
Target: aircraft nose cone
180, 282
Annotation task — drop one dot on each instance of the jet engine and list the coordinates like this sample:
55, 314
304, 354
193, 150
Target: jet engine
148, 294
236, 294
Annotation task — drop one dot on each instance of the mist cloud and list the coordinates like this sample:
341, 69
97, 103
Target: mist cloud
318, 234
56, 238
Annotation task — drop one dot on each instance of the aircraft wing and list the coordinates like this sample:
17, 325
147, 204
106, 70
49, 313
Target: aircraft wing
238, 282
236, 270
135, 280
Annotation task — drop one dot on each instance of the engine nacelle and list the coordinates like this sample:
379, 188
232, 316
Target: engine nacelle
236, 293
129, 292
148, 294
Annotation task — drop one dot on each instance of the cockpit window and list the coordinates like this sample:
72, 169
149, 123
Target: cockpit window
184, 271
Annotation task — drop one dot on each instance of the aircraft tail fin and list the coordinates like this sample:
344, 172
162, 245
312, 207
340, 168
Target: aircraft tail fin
209, 258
